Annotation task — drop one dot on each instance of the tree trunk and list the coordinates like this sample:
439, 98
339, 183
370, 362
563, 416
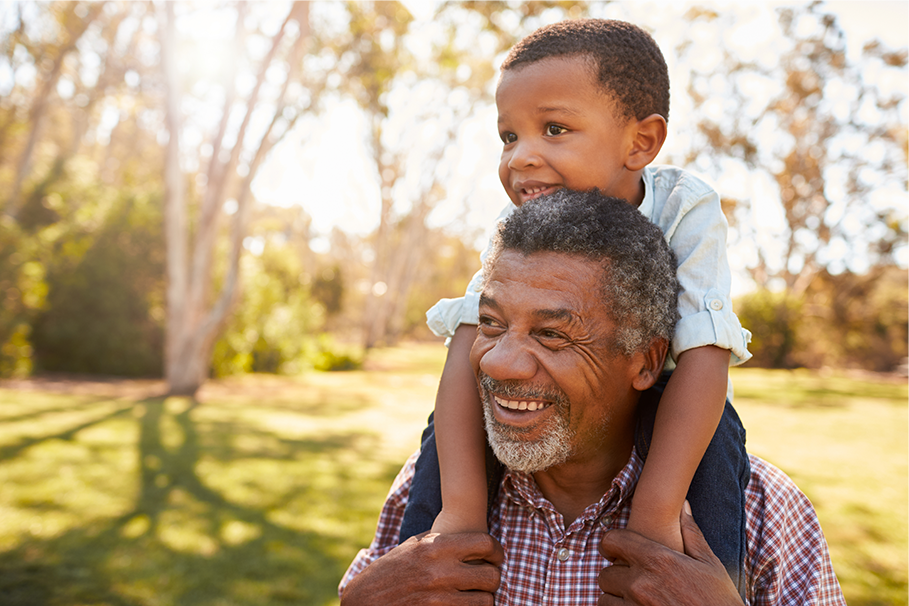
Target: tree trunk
193, 320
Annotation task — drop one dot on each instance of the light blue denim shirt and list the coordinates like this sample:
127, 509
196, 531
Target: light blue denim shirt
688, 211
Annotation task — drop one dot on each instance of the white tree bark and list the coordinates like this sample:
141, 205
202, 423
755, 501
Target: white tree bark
193, 318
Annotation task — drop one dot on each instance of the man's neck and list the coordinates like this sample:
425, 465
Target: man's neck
575, 485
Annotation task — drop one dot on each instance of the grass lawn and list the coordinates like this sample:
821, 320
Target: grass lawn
262, 491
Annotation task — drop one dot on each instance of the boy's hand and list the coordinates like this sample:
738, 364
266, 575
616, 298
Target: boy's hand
448, 522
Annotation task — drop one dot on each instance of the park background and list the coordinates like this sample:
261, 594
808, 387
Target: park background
221, 224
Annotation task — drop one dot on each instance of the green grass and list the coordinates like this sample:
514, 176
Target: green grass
258, 494
844, 442
263, 490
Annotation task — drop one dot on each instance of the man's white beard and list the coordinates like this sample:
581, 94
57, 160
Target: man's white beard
510, 446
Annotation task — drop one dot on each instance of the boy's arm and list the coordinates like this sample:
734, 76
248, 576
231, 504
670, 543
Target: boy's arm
460, 440
690, 410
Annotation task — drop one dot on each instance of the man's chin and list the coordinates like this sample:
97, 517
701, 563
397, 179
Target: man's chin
516, 452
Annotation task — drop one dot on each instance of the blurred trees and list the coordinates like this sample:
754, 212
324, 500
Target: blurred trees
839, 152
828, 185
845, 320
131, 135
62, 129
104, 309
194, 315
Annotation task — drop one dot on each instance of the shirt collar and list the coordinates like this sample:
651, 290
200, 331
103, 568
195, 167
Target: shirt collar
521, 488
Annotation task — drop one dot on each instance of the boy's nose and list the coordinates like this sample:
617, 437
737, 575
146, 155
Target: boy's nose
523, 155
509, 359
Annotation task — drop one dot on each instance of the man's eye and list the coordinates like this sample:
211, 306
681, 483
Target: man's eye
508, 138
555, 129
489, 325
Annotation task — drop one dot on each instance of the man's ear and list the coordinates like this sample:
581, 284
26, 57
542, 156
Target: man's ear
649, 135
652, 360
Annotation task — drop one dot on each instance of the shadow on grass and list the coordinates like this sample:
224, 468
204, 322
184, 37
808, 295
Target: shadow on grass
13, 450
799, 392
186, 543
879, 584
861, 550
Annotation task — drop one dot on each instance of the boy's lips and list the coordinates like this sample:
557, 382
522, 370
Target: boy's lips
530, 190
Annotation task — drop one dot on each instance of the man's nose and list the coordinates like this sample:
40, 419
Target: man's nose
509, 359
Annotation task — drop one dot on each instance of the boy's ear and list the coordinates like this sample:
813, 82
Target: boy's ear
651, 364
649, 135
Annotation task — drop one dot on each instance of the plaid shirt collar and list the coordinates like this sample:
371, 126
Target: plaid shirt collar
522, 490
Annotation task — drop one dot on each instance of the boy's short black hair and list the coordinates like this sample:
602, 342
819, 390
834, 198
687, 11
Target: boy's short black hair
629, 63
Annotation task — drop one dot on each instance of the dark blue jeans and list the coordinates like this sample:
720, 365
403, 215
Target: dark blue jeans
716, 494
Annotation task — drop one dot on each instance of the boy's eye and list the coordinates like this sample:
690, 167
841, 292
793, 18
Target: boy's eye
508, 138
555, 129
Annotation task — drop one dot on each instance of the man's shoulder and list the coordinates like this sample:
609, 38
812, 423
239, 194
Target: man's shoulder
787, 551
769, 482
772, 499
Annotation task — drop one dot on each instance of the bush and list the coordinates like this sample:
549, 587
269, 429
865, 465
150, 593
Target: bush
272, 329
774, 319
104, 311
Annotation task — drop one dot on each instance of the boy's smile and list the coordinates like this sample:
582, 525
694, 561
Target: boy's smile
560, 129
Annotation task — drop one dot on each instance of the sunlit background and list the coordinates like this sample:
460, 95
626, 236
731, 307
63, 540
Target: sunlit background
220, 202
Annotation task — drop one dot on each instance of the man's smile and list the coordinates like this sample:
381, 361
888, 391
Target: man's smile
521, 404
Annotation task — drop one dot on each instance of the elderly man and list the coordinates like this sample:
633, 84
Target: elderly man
575, 317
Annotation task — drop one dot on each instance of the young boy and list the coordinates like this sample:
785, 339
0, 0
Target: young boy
583, 104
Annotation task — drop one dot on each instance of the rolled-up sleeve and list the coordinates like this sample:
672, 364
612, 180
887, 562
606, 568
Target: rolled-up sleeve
695, 229
444, 317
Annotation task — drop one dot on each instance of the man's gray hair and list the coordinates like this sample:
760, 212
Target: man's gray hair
639, 284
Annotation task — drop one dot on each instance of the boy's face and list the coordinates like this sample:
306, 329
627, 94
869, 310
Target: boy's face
560, 129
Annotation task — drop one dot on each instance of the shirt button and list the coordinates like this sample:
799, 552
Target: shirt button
605, 521
563, 554
716, 305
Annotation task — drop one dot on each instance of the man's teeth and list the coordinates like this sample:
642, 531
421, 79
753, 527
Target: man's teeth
519, 404
534, 190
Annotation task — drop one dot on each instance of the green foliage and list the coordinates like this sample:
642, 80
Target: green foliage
330, 356
859, 321
843, 321
773, 319
328, 289
272, 329
22, 294
103, 311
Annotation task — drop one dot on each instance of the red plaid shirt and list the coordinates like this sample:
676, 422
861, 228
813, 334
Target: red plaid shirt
787, 561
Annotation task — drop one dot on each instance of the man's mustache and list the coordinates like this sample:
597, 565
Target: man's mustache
517, 390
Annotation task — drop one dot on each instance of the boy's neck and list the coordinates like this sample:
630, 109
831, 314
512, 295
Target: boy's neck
636, 190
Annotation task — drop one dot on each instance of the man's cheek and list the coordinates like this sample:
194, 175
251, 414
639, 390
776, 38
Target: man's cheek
481, 346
